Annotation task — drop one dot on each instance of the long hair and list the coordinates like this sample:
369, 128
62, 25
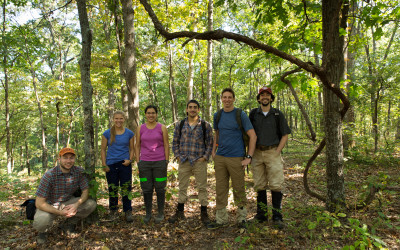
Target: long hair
112, 130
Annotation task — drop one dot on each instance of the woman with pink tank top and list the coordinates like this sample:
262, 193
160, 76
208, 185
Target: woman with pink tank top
152, 152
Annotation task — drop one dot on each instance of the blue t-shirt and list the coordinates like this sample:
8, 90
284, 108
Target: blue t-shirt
119, 150
230, 142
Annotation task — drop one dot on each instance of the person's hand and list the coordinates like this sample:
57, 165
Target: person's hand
246, 162
126, 163
106, 169
70, 210
201, 159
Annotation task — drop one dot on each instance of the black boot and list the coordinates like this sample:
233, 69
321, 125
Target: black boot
204, 215
160, 207
148, 203
277, 209
179, 214
262, 208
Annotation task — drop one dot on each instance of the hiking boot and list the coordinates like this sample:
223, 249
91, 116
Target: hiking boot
128, 216
243, 224
179, 213
204, 215
41, 238
277, 209
278, 224
261, 207
214, 225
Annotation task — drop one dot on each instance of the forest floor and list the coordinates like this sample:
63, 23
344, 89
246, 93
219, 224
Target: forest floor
308, 225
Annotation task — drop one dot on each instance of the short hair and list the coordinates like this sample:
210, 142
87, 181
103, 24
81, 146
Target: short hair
228, 90
193, 101
150, 107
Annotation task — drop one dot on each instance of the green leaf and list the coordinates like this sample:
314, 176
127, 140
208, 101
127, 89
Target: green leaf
312, 225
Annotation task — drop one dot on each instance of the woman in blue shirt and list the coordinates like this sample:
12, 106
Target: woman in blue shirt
117, 154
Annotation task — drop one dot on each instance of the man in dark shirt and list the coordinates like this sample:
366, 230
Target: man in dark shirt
54, 196
272, 133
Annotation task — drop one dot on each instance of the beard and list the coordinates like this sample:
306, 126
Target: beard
265, 104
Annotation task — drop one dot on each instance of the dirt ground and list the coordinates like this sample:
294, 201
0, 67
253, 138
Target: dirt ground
308, 226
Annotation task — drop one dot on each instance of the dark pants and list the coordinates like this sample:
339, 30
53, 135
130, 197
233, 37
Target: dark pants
119, 176
153, 175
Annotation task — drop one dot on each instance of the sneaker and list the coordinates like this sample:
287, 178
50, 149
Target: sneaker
179, 215
214, 225
278, 224
41, 238
128, 216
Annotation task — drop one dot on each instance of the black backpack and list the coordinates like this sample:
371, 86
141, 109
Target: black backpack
30, 208
203, 126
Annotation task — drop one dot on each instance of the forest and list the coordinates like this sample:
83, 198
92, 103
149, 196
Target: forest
66, 66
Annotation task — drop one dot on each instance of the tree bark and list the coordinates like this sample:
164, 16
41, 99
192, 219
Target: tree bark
57, 130
42, 126
192, 52
6, 91
130, 64
87, 89
333, 63
210, 27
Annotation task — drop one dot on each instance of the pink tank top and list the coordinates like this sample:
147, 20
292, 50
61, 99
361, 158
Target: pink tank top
151, 143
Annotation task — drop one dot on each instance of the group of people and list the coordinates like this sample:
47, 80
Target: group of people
193, 144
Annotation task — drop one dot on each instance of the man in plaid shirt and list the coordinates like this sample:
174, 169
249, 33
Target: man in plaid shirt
192, 146
54, 196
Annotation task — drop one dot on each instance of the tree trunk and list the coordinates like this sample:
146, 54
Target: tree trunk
87, 89
172, 90
190, 77
28, 165
57, 130
130, 65
333, 62
208, 99
111, 94
7, 104
44, 147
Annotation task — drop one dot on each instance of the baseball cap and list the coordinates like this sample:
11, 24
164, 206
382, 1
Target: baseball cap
66, 151
265, 89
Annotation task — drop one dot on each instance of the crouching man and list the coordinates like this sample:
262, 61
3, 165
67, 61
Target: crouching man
54, 196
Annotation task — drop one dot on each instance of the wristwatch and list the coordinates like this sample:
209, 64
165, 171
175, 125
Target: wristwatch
249, 157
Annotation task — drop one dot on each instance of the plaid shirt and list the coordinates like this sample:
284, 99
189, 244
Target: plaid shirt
58, 187
190, 145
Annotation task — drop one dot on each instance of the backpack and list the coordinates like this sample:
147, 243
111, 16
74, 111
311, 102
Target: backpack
245, 136
277, 121
30, 208
203, 126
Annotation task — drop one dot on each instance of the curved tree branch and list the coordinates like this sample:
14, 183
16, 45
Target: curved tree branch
301, 107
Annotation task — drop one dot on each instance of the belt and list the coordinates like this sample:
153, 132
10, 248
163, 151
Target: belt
263, 148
